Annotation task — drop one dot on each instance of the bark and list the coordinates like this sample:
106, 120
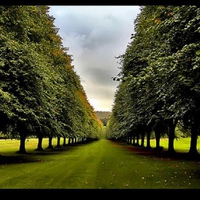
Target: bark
142, 139
136, 139
157, 135
128, 140
58, 142
133, 139
171, 136
50, 146
148, 139
39, 146
22, 148
69, 140
193, 142
64, 141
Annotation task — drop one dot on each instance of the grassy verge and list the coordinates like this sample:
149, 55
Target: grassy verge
180, 145
100, 164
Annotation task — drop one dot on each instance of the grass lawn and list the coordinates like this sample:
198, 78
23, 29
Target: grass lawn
101, 164
180, 145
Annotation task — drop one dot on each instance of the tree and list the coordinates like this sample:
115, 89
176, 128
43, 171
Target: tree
38, 86
160, 66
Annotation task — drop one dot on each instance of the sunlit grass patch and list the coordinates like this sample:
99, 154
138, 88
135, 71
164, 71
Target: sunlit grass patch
12, 146
180, 144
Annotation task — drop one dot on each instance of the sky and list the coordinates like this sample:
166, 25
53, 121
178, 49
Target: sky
95, 36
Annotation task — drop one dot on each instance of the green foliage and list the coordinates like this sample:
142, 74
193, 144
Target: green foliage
159, 73
39, 90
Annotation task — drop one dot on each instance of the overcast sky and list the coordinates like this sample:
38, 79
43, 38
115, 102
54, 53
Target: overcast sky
95, 36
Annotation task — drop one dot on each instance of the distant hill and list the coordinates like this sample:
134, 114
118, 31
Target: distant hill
103, 116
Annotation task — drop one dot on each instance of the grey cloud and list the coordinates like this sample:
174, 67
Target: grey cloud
95, 35
102, 76
75, 25
92, 32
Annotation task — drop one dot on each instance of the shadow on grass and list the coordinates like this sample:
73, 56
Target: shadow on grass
32, 156
159, 153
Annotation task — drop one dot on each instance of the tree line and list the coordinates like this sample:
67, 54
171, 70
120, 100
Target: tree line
40, 93
159, 79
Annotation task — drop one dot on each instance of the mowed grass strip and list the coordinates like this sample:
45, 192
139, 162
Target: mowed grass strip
101, 164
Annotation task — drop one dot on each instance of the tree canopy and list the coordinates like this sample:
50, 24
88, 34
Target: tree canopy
159, 79
40, 93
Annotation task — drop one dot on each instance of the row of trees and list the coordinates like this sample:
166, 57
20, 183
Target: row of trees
40, 93
159, 86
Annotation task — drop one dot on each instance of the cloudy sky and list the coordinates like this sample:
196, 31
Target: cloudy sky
95, 36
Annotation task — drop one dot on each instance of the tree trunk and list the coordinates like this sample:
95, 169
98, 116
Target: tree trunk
136, 140
171, 136
157, 135
131, 142
39, 146
58, 142
64, 141
142, 139
128, 140
133, 138
193, 142
148, 139
50, 143
22, 148
69, 140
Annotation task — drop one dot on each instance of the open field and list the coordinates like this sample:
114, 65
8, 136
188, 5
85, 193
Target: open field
101, 164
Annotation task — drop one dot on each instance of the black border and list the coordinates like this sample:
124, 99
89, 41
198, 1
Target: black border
100, 193
99, 2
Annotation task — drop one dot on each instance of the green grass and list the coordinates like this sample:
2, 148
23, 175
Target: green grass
180, 145
100, 164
